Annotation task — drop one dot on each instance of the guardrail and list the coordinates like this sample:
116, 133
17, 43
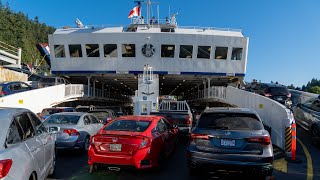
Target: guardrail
276, 116
10, 54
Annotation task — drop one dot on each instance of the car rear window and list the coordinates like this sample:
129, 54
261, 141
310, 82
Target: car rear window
100, 114
63, 119
278, 90
47, 112
230, 121
128, 125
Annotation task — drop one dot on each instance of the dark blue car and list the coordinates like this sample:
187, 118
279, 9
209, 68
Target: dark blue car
7, 88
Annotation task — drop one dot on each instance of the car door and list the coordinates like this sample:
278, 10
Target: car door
172, 135
33, 142
306, 114
163, 130
47, 140
88, 126
96, 123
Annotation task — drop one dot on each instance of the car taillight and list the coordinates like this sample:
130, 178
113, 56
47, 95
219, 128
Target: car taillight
71, 132
265, 140
146, 142
194, 137
189, 120
5, 166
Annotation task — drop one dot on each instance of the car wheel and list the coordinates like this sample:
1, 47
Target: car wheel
33, 176
86, 144
53, 166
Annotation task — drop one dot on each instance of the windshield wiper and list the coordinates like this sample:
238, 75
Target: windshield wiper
218, 127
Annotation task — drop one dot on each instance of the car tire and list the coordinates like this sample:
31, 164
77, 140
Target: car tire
33, 176
54, 162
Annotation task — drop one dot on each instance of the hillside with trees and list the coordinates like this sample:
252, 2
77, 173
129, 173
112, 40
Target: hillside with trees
18, 30
312, 86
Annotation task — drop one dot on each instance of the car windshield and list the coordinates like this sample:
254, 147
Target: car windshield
48, 80
101, 115
128, 125
230, 121
63, 119
278, 90
47, 112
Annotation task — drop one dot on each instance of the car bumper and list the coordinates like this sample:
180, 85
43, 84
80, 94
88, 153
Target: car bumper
242, 167
65, 145
142, 159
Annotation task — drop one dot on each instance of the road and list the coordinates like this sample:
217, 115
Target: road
73, 165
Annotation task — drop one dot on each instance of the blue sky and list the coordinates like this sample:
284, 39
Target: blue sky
284, 35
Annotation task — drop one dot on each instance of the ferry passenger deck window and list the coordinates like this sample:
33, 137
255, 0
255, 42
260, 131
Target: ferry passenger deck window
110, 50
236, 54
75, 50
128, 50
204, 52
167, 51
59, 51
221, 53
92, 50
185, 51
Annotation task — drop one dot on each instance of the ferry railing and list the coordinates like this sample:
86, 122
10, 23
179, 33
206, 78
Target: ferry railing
10, 53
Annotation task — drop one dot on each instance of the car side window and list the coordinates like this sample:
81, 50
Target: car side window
40, 128
86, 120
24, 86
161, 126
15, 133
26, 125
94, 119
168, 125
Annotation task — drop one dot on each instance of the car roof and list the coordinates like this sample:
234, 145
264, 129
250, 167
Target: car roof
229, 110
99, 110
9, 82
6, 114
71, 113
273, 85
139, 118
59, 108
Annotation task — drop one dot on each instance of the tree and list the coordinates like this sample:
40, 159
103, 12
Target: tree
315, 89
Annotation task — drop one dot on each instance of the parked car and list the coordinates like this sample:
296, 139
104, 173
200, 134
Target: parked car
273, 91
27, 149
46, 112
177, 113
307, 115
7, 88
232, 140
74, 129
140, 142
117, 109
104, 115
85, 108
51, 81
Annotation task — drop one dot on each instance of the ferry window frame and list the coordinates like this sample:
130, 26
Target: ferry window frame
165, 53
112, 48
92, 53
235, 53
204, 51
183, 48
59, 51
126, 54
221, 48
75, 47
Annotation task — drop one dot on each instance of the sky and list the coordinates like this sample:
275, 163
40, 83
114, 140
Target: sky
284, 35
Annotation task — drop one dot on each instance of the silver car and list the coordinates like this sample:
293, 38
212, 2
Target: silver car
307, 115
230, 140
27, 150
74, 129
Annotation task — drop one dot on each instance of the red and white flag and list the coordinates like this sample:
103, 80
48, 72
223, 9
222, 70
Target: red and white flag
134, 12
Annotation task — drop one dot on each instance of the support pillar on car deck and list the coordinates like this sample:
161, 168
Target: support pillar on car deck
88, 90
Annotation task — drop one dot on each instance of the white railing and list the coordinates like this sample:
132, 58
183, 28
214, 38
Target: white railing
274, 115
10, 54
74, 90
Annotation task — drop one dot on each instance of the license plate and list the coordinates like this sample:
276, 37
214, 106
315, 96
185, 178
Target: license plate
115, 147
228, 142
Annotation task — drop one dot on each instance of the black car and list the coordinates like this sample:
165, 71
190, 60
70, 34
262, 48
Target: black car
104, 115
231, 140
273, 91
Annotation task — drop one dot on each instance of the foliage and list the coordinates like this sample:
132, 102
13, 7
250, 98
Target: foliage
18, 30
315, 89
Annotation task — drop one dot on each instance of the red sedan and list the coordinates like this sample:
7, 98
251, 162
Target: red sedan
132, 141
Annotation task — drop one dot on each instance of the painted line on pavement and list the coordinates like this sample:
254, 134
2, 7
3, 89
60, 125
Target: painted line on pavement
309, 160
281, 165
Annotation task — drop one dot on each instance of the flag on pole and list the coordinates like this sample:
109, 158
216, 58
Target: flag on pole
134, 12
